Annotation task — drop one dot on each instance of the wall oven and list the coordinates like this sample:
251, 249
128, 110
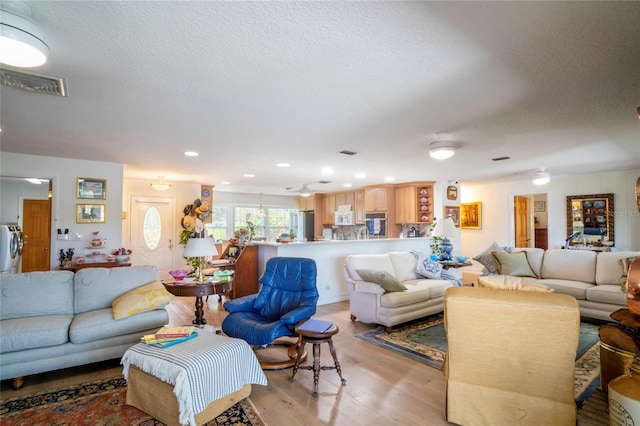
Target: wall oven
376, 224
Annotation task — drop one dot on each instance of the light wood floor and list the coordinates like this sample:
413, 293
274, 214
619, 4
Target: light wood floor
382, 388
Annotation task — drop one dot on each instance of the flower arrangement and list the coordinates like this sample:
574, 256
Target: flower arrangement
242, 232
121, 252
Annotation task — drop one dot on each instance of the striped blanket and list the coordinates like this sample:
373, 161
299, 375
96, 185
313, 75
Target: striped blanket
201, 370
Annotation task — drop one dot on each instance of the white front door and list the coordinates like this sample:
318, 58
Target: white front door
152, 239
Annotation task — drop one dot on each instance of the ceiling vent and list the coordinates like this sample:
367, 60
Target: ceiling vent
347, 152
37, 83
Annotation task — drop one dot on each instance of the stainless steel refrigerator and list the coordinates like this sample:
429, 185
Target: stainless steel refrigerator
302, 225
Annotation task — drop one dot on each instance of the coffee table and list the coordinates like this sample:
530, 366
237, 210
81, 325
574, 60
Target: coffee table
189, 288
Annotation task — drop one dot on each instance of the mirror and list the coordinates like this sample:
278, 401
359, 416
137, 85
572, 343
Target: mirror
590, 220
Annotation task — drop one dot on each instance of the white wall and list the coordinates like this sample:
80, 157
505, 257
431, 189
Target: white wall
64, 173
497, 208
12, 194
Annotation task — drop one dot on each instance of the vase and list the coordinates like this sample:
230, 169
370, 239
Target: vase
122, 258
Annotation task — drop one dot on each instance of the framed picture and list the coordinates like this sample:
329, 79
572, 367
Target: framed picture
452, 192
539, 206
92, 189
471, 215
454, 213
91, 213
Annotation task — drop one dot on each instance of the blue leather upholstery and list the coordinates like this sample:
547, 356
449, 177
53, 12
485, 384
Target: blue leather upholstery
287, 295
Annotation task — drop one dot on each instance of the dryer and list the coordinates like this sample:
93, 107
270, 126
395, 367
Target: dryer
10, 248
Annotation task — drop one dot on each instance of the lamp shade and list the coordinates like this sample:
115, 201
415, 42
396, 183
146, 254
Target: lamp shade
200, 247
444, 228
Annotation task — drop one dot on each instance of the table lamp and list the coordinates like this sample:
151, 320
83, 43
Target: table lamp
445, 228
200, 248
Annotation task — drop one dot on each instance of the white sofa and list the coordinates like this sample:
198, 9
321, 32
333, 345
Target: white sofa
594, 279
368, 301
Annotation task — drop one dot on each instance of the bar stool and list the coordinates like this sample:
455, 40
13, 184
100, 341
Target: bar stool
316, 339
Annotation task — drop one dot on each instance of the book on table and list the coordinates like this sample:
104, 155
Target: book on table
317, 326
175, 331
150, 340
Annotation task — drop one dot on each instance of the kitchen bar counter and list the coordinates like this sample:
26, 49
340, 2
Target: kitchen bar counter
330, 255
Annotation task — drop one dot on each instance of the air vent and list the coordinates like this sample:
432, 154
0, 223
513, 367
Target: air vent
324, 182
500, 158
347, 152
37, 83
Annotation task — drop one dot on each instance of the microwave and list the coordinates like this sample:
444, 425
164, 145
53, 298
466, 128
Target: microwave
344, 218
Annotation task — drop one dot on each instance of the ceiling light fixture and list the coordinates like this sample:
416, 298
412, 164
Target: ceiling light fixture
261, 212
21, 40
160, 184
441, 149
541, 178
191, 154
304, 192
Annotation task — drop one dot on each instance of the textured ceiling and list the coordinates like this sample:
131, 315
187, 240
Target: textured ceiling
553, 85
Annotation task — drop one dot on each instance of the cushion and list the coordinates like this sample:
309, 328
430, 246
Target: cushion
428, 268
514, 264
141, 299
506, 282
487, 260
626, 264
384, 279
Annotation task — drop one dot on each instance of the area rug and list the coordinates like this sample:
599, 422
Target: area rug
425, 341
101, 403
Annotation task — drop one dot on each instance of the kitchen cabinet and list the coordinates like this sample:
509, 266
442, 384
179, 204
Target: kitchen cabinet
358, 207
378, 199
344, 199
307, 203
414, 203
328, 209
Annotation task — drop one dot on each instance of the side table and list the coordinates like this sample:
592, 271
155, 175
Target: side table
447, 265
316, 339
188, 288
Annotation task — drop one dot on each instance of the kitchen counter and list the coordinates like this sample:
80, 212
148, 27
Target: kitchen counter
330, 255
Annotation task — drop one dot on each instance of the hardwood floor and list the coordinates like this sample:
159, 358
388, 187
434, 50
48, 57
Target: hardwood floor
382, 387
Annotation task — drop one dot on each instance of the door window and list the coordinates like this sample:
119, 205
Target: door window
152, 228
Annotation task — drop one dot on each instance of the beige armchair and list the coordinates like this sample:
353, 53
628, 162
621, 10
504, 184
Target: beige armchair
510, 357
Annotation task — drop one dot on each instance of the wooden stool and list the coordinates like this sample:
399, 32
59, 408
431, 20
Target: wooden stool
316, 339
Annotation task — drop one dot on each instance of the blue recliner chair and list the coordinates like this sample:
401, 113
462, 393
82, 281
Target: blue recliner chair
287, 296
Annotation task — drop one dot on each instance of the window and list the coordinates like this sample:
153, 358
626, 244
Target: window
152, 228
278, 221
218, 225
228, 219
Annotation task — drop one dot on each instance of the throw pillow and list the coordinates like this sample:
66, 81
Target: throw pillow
384, 279
626, 264
487, 260
505, 282
141, 299
428, 268
514, 264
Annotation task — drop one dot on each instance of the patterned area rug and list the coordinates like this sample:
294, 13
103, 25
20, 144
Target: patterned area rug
425, 341
101, 403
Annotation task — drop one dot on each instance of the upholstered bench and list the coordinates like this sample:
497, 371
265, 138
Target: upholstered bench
192, 382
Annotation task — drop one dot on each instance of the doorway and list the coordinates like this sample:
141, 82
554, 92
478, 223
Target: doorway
152, 240
530, 220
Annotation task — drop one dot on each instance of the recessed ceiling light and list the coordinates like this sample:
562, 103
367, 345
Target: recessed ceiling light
283, 165
225, 182
249, 175
326, 171
347, 185
389, 179
191, 154
360, 175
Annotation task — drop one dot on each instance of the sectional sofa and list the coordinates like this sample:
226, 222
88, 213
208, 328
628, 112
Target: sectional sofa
594, 279
58, 319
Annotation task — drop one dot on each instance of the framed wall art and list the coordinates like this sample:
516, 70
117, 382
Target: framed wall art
454, 213
91, 213
471, 215
92, 189
539, 206
452, 192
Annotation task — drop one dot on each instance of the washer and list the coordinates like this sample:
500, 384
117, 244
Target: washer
10, 248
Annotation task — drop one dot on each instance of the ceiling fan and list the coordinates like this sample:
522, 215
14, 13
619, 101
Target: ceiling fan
304, 191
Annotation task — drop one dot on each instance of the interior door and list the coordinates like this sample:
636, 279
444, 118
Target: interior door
521, 214
36, 231
152, 241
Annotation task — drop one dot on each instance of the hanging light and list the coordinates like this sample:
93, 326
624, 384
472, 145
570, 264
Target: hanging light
261, 212
21, 40
160, 184
541, 178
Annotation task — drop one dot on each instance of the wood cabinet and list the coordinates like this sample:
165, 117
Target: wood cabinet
377, 199
307, 203
414, 203
328, 209
358, 207
244, 260
344, 199
541, 238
